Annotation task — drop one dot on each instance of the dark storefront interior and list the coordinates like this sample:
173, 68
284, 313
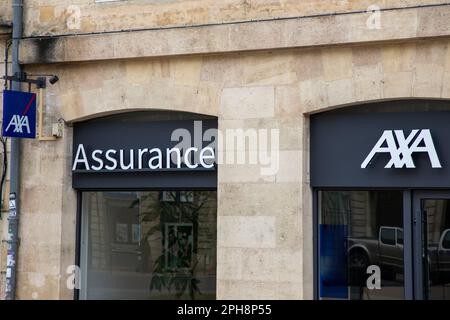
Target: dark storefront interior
363, 228
358, 222
381, 219
146, 231
150, 245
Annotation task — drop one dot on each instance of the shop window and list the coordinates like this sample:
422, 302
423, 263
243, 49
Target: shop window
149, 245
357, 230
387, 236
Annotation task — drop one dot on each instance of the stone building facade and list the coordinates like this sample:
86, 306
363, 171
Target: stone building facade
250, 63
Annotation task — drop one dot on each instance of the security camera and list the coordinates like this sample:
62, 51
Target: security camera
41, 79
53, 79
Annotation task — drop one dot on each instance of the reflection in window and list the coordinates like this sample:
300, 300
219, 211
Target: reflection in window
149, 245
359, 229
436, 240
387, 236
400, 236
446, 241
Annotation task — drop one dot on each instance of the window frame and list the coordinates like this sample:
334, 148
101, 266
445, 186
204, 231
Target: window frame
80, 228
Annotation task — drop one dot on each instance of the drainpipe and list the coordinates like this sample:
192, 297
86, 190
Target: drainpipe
13, 218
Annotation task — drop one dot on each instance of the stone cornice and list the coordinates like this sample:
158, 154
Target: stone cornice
327, 30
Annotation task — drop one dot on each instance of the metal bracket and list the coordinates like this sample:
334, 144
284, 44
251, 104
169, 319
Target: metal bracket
12, 241
40, 82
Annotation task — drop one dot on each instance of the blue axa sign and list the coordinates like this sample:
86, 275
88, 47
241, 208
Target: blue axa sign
19, 114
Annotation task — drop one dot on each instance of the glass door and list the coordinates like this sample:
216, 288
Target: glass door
431, 223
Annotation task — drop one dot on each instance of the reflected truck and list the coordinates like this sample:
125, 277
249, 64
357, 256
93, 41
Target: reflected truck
387, 252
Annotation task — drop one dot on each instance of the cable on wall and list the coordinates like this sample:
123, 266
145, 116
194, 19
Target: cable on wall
234, 22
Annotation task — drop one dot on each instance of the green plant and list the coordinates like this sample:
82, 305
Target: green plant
175, 270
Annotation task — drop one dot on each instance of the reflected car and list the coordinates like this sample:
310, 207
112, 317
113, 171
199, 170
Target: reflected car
439, 259
386, 251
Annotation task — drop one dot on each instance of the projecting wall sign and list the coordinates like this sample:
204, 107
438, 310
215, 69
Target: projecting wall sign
19, 114
380, 147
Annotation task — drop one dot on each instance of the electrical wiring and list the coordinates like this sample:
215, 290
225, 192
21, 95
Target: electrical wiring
234, 22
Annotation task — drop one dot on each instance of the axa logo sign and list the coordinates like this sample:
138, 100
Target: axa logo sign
20, 124
401, 148
19, 114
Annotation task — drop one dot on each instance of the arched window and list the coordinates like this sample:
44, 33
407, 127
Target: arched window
147, 216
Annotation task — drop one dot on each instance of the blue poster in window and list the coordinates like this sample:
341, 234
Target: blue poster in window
19, 114
333, 275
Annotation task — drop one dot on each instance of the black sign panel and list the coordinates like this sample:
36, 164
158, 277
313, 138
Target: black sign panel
137, 154
381, 149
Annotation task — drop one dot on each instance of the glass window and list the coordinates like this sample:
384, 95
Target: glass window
436, 242
399, 236
387, 236
149, 245
351, 225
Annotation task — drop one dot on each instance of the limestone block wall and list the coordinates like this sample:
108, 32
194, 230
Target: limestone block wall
4, 206
396, 25
5, 11
264, 221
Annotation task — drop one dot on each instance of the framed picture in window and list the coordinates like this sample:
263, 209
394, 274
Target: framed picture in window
135, 232
178, 245
168, 196
121, 232
186, 196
